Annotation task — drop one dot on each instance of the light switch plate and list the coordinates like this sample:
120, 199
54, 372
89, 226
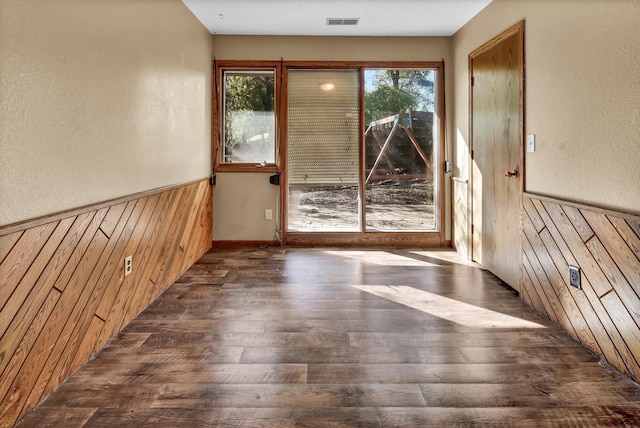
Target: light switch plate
531, 142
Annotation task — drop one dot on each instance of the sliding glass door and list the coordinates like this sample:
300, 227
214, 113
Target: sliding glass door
323, 151
399, 146
375, 170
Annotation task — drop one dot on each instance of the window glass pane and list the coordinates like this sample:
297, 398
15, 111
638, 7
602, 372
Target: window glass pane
322, 147
249, 120
399, 150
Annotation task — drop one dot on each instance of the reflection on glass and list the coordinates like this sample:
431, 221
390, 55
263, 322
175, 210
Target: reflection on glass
399, 150
322, 150
249, 119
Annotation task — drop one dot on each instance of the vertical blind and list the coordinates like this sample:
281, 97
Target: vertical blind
323, 127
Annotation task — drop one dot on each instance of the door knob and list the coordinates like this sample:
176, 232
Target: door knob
510, 174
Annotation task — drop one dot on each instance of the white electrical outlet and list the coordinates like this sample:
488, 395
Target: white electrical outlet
128, 265
531, 142
268, 214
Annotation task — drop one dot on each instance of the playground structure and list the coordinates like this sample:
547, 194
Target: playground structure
404, 167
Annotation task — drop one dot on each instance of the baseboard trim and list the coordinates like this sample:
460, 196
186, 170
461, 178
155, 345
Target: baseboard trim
241, 243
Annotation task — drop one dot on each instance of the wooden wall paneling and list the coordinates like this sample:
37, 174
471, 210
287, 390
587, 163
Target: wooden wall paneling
131, 284
113, 219
575, 324
74, 298
138, 282
123, 284
550, 300
170, 247
63, 287
7, 242
12, 397
28, 384
578, 222
530, 291
32, 305
162, 226
615, 276
534, 216
93, 292
626, 326
604, 330
582, 255
79, 250
115, 282
620, 252
186, 235
635, 226
21, 257
630, 235
586, 323
460, 190
545, 289
604, 244
86, 348
23, 290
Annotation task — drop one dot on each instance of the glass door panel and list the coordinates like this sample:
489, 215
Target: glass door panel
400, 171
323, 151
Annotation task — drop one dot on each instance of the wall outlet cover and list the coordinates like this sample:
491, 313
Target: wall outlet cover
574, 277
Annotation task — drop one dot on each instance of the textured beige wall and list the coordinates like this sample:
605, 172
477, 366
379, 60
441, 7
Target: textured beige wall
227, 222
582, 95
240, 200
99, 99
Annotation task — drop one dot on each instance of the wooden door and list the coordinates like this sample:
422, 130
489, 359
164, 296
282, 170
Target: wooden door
497, 167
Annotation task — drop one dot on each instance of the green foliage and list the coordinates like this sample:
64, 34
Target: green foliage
249, 92
391, 92
387, 101
249, 102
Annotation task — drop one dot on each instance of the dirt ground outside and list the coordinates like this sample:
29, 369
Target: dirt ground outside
390, 205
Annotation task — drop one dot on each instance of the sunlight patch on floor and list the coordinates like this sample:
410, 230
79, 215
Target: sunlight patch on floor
382, 258
446, 256
446, 308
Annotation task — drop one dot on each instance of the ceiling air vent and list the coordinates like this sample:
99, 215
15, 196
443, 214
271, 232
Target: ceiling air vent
342, 21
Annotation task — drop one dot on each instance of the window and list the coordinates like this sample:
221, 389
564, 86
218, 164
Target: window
358, 145
248, 120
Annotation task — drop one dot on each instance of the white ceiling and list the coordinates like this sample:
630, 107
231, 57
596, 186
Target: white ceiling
309, 17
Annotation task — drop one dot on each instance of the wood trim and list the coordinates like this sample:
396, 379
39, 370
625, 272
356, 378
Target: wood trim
361, 64
248, 243
218, 111
600, 210
518, 27
460, 180
237, 167
356, 239
73, 212
441, 107
64, 293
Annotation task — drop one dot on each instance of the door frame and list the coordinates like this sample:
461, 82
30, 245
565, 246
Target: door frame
434, 238
518, 31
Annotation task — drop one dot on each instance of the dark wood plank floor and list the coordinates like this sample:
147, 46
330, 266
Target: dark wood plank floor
326, 337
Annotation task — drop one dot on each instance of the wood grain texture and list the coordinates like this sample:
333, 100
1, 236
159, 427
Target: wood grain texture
496, 119
460, 232
605, 314
293, 337
60, 279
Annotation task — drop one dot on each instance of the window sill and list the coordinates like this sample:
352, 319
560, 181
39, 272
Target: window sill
245, 167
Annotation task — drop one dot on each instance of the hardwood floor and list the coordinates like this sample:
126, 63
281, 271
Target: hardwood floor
279, 337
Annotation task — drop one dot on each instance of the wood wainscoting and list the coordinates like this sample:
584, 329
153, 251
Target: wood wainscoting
605, 314
460, 222
63, 293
